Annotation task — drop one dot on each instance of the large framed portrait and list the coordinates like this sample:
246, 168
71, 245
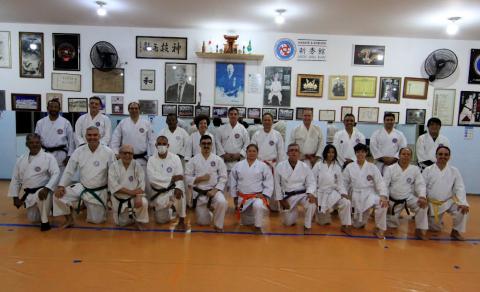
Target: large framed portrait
202, 110
66, 82
185, 110
242, 112
338, 87
54, 95
253, 113
272, 111
415, 116
326, 115
5, 50
31, 54
309, 85
416, 88
180, 83
229, 83
147, 79
474, 71
26, 102
364, 86
148, 107
111, 81
277, 90
220, 111
285, 114
78, 105
368, 55
443, 105
169, 109
300, 111
344, 110
469, 109
66, 51
151, 47
396, 115
368, 114
390, 88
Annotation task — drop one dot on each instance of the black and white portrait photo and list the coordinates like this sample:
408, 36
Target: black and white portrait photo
277, 90
180, 83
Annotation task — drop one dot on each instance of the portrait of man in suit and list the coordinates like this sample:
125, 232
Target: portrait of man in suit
181, 91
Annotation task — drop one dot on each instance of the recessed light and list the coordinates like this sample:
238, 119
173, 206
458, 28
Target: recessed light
101, 11
452, 27
279, 18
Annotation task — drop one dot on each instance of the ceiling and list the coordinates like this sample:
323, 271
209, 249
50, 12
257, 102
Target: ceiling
398, 18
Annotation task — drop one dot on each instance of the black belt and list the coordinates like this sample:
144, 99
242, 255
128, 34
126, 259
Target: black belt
131, 211
141, 156
399, 202
28, 191
287, 195
202, 193
55, 149
162, 190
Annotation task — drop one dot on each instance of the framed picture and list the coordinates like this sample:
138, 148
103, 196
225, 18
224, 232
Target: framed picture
285, 114
180, 83
112, 81
338, 87
367, 55
345, 110
253, 113
3, 103
368, 114
147, 79
26, 102
309, 85
185, 110
169, 109
66, 51
202, 110
443, 105
229, 83
397, 116
469, 109
415, 88
242, 112
272, 111
326, 115
78, 105
151, 47
220, 111
117, 105
415, 116
66, 82
364, 86
474, 72
54, 95
390, 90
31, 55
277, 86
299, 112
5, 50
148, 107
103, 106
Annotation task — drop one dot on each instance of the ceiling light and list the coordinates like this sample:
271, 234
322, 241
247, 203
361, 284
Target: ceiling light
452, 27
279, 18
101, 11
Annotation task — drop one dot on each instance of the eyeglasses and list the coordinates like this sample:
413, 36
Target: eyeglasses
206, 143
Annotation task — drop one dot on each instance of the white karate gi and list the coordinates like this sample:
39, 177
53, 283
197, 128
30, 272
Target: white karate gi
310, 140
93, 169
288, 180
445, 192
232, 140
329, 181
384, 144
177, 140
426, 148
251, 179
131, 178
344, 144
406, 185
215, 167
139, 135
160, 172
101, 121
193, 145
366, 185
32, 172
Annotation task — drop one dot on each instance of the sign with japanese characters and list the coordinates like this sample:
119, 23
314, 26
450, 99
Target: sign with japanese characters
149, 47
312, 50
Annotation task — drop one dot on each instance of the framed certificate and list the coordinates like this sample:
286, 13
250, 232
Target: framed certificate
443, 105
364, 86
112, 81
326, 115
368, 114
66, 82
415, 88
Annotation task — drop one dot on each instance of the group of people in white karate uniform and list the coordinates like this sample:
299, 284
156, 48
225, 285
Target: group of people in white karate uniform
135, 170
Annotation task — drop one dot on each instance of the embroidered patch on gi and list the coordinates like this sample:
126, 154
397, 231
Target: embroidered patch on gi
394, 140
97, 124
357, 140
271, 143
369, 177
141, 130
178, 138
212, 163
96, 163
59, 131
440, 145
169, 169
130, 178
37, 169
237, 136
409, 180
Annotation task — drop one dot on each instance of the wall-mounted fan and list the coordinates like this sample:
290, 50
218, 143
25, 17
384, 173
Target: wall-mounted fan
104, 56
440, 64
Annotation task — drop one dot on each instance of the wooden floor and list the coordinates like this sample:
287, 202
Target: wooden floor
105, 258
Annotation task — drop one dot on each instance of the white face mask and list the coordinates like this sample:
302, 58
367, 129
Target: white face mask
162, 149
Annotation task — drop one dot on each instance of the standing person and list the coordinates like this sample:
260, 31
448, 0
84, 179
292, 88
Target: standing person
386, 142
428, 143
193, 143
181, 91
177, 137
446, 194
37, 173
57, 134
346, 139
310, 139
96, 119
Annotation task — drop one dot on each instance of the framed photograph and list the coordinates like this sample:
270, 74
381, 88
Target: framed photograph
443, 105
473, 73
272, 111
202, 110
112, 81
3, 102
345, 110
229, 83
277, 86
31, 55
390, 88
469, 109
147, 79
364, 86
368, 114
66, 51
5, 50
367, 55
285, 114
151, 47
338, 87
242, 112
181, 83
54, 95
117, 105
326, 115
415, 116
148, 107
66, 82
299, 112
415, 88
220, 112
397, 116
169, 109
253, 113
309, 85
26, 102
185, 110
78, 105
103, 106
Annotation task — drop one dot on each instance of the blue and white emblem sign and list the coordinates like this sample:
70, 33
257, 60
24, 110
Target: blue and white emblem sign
285, 49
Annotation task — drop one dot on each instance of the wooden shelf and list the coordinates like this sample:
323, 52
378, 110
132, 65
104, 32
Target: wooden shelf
229, 56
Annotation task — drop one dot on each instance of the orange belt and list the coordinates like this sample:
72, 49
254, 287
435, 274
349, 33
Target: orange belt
246, 197
268, 162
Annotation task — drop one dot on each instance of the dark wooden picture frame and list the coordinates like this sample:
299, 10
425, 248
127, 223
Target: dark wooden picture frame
26, 102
